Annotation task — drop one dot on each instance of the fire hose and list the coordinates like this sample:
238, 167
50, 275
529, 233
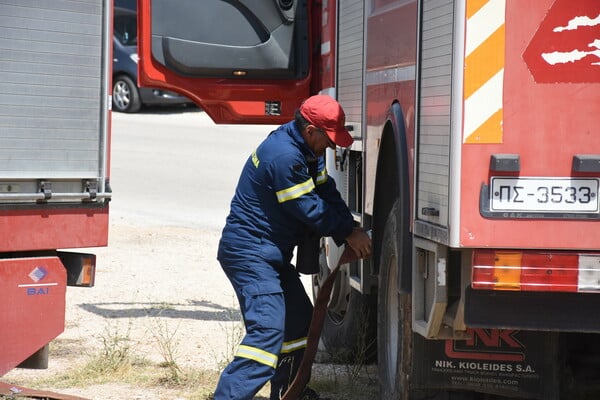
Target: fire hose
13, 391
314, 331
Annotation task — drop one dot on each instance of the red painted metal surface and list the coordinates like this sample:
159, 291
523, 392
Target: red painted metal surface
566, 46
224, 100
44, 229
32, 292
546, 124
328, 46
391, 38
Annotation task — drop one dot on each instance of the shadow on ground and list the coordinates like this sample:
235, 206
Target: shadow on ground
197, 310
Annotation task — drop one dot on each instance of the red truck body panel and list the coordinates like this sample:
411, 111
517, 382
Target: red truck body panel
545, 134
27, 230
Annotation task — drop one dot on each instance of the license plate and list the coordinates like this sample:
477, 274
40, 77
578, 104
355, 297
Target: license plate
550, 195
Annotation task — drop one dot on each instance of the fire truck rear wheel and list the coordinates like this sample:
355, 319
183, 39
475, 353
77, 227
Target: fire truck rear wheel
394, 332
349, 328
394, 326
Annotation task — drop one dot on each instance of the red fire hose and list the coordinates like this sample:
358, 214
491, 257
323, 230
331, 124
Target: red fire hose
314, 332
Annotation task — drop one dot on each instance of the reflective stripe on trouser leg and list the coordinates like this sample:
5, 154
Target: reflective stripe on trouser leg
253, 365
250, 369
289, 347
258, 355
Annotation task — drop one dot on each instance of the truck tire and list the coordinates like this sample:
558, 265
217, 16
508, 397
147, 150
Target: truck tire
394, 318
349, 329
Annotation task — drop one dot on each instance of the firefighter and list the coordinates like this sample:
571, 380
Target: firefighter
283, 192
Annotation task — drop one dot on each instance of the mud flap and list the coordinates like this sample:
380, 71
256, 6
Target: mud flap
496, 361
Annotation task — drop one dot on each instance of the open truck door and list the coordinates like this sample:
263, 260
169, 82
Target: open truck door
242, 62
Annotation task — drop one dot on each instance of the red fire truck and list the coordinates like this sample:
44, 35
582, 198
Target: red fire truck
54, 182
476, 162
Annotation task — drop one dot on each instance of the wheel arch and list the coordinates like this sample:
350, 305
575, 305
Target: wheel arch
122, 72
393, 182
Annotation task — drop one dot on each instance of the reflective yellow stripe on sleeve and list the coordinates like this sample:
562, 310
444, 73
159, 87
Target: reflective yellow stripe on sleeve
293, 345
295, 191
258, 355
255, 159
322, 177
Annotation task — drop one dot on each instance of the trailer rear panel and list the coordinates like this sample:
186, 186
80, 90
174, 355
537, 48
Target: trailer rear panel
54, 123
54, 164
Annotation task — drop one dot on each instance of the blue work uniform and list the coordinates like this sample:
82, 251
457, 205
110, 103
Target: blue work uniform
275, 202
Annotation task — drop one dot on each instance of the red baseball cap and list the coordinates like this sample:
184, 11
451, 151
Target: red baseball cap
325, 113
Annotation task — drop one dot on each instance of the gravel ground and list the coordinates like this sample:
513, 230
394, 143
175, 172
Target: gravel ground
152, 278
148, 280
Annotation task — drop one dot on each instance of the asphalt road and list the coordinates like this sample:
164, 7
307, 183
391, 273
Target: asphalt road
176, 167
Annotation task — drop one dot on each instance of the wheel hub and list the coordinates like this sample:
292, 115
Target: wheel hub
122, 95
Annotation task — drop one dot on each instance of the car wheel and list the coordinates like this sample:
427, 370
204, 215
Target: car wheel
126, 96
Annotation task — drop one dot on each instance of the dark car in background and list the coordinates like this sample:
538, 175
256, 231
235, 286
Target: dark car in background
127, 96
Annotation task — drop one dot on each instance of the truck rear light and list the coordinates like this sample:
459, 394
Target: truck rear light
505, 274
88, 270
536, 271
81, 268
589, 273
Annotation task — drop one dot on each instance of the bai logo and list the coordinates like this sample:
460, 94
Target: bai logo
37, 275
32, 291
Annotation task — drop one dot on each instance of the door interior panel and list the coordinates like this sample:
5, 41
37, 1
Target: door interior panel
267, 38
